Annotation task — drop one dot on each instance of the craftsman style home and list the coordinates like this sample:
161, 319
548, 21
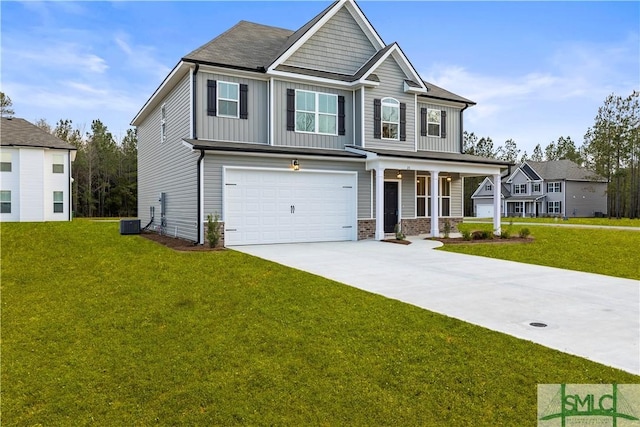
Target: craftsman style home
558, 188
35, 173
325, 133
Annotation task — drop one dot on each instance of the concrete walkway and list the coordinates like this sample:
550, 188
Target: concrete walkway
593, 316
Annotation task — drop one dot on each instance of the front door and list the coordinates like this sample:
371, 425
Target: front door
390, 206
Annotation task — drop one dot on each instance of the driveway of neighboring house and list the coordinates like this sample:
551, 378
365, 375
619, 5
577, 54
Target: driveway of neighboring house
593, 316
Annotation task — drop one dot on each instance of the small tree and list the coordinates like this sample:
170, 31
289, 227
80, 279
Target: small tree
213, 230
5, 106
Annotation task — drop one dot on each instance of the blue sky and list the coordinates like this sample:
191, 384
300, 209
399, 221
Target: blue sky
538, 70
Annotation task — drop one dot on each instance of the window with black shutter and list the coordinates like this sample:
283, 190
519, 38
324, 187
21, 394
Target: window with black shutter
212, 102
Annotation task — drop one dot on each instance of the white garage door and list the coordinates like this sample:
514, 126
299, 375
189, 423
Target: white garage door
285, 206
484, 211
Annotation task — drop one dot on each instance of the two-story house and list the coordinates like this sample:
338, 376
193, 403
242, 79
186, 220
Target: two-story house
325, 133
35, 173
555, 188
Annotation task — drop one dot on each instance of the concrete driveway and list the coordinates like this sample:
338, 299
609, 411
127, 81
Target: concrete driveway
593, 316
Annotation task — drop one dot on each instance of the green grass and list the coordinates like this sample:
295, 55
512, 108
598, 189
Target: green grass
622, 222
103, 329
602, 251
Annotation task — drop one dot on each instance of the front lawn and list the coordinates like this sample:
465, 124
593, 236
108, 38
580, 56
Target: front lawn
110, 330
622, 222
602, 251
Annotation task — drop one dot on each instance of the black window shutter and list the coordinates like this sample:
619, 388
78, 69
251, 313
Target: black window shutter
377, 118
443, 124
244, 102
403, 121
341, 129
291, 109
423, 122
211, 98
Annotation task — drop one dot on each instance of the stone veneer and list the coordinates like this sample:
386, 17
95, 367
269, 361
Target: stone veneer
410, 227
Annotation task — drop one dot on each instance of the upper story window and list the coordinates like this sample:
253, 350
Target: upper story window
434, 121
228, 99
390, 119
58, 163
535, 187
316, 112
163, 123
554, 187
5, 163
5, 201
519, 188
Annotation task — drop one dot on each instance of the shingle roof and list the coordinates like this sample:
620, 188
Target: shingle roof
437, 92
246, 45
19, 132
243, 147
434, 155
564, 169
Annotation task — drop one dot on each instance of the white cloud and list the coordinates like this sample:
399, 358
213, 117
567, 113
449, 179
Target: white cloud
57, 55
140, 57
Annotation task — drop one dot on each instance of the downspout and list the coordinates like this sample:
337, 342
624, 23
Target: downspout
199, 195
462, 129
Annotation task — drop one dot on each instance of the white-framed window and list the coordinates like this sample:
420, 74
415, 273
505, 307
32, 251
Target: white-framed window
535, 187
58, 202
163, 123
58, 163
517, 208
553, 207
228, 99
5, 201
423, 196
519, 188
5, 162
554, 187
316, 112
434, 118
390, 119
488, 187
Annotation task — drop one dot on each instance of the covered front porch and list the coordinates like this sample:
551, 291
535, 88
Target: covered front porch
524, 206
421, 192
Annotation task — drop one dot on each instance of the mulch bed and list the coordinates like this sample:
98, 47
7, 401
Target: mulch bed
495, 241
398, 241
177, 243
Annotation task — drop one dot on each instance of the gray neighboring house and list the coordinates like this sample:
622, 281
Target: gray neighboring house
555, 188
325, 133
35, 173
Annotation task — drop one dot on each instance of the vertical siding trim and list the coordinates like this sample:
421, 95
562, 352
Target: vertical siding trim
270, 97
362, 119
353, 115
211, 97
415, 123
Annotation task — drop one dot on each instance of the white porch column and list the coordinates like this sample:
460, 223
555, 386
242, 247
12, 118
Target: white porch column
380, 203
524, 206
435, 198
497, 184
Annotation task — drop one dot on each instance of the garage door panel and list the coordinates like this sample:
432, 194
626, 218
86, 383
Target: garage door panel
258, 206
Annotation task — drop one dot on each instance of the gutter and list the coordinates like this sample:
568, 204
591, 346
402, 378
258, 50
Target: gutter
462, 128
199, 216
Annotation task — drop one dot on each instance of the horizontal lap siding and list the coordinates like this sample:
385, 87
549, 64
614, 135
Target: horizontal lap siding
456, 198
449, 144
391, 85
215, 162
169, 166
253, 129
339, 46
297, 139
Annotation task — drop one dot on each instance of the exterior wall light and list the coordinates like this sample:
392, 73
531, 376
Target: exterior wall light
399, 175
295, 165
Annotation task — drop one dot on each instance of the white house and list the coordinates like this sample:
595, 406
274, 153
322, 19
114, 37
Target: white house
35, 173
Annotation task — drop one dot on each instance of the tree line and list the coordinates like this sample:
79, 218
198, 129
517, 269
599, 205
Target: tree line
611, 148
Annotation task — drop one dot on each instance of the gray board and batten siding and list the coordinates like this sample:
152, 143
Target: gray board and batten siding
168, 167
340, 44
253, 129
391, 85
213, 176
451, 142
585, 198
281, 136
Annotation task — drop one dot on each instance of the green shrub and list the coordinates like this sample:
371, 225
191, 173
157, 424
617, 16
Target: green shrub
466, 235
481, 235
213, 230
505, 234
399, 234
446, 228
524, 233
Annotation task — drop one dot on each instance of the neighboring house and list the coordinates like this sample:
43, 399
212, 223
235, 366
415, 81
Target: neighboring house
554, 188
35, 173
321, 134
